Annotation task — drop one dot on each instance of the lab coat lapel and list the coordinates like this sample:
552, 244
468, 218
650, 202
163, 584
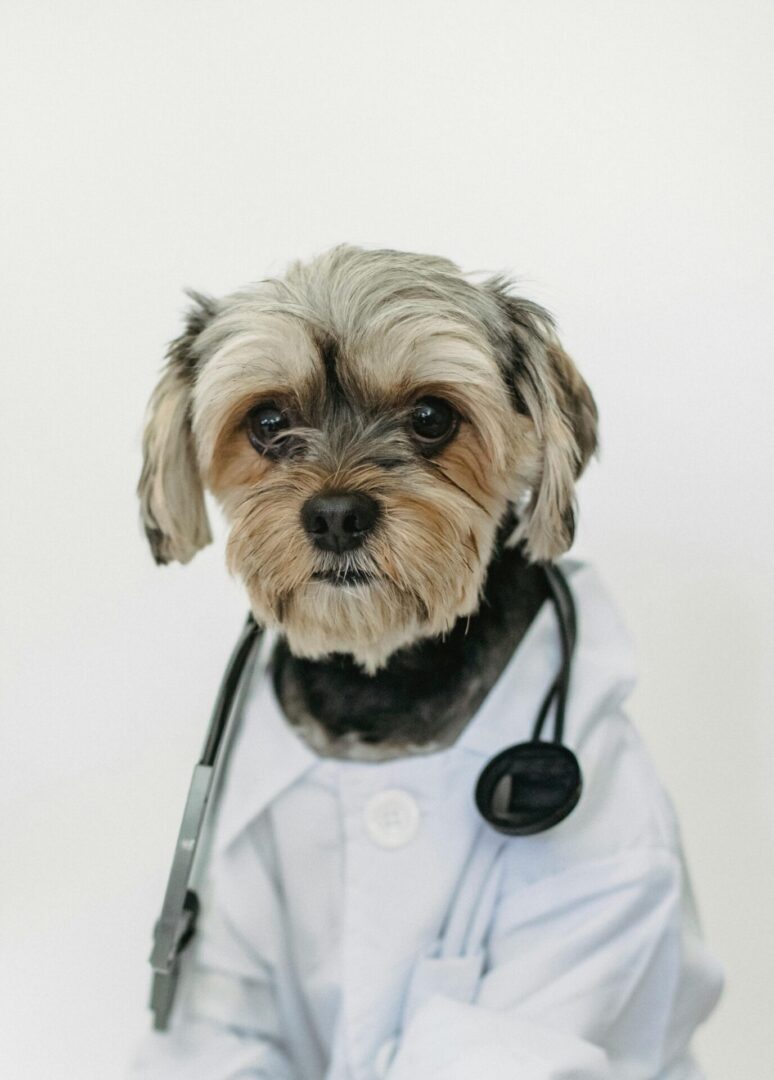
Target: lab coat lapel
507, 714
264, 758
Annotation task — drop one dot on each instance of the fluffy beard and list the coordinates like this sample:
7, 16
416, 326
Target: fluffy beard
425, 567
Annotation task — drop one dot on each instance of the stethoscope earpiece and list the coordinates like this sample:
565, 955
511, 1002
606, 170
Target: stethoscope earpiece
532, 786
529, 788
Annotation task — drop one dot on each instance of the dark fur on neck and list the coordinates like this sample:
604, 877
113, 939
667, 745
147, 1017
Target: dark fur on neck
425, 695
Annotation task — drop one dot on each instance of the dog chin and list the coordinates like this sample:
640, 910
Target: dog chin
367, 617
349, 579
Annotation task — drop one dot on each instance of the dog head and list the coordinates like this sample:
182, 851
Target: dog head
366, 423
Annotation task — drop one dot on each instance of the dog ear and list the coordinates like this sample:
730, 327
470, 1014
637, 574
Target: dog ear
170, 488
546, 385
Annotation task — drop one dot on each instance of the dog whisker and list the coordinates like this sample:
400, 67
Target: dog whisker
448, 479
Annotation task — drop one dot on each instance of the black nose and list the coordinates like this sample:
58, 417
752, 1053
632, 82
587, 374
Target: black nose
340, 521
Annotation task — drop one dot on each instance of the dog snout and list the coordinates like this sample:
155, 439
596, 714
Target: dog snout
339, 521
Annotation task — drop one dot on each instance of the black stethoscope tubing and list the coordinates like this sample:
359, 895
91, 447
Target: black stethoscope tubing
532, 786
568, 630
229, 686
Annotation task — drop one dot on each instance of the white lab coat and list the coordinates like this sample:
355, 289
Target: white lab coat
360, 921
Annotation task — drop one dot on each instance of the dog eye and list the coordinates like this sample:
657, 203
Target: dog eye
264, 422
433, 420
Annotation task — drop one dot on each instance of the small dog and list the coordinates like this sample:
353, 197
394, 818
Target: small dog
395, 448
371, 425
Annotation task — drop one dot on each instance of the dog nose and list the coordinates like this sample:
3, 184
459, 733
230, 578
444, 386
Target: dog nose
340, 521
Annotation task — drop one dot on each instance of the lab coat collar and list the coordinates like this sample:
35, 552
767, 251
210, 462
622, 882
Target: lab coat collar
267, 755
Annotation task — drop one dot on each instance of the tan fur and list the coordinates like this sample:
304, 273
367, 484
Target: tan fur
170, 489
404, 327
429, 554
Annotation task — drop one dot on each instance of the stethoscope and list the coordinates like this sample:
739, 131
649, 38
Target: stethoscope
526, 789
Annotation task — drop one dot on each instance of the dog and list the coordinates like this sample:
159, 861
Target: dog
369, 424
395, 447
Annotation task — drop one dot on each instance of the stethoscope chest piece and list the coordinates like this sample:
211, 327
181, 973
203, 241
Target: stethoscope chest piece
529, 788
532, 786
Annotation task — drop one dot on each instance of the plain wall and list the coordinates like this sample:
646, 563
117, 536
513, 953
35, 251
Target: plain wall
617, 157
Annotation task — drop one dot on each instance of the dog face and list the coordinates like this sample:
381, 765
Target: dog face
365, 423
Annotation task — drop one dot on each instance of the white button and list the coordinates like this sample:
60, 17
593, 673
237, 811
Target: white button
392, 818
384, 1056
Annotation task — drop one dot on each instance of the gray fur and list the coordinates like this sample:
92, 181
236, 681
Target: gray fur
170, 489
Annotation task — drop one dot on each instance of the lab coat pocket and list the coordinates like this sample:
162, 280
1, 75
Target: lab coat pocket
454, 977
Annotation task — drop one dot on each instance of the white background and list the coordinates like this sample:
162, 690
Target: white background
617, 157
